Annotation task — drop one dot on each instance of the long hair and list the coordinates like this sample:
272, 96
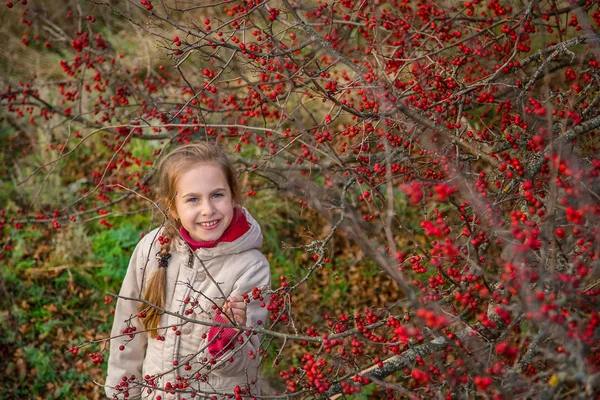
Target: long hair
170, 169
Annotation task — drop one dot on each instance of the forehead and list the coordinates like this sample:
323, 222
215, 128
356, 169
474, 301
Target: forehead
202, 177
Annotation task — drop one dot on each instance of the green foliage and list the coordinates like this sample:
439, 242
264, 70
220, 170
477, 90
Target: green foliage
277, 222
335, 291
21, 247
59, 304
113, 248
44, 366
142, 150
366, 392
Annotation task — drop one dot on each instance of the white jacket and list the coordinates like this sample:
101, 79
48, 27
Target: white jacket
238, 267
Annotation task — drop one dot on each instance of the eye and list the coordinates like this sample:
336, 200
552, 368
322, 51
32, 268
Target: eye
217, 195
191, 200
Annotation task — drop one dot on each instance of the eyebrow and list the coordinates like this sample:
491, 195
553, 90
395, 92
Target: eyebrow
199, 195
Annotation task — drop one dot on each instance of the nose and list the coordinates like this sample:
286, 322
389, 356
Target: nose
206, 208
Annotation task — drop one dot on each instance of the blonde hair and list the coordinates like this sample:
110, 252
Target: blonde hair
172, 165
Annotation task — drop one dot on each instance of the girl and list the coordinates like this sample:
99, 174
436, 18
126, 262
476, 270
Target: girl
203, 265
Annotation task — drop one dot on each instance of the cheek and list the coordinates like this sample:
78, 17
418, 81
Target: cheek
185, 211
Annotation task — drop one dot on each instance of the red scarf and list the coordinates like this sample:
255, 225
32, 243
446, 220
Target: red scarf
238, 226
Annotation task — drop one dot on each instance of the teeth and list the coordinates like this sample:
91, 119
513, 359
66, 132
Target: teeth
208, 224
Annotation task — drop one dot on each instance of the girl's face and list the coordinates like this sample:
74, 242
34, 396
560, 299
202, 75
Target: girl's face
204, 202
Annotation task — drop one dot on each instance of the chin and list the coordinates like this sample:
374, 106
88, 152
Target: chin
208, 238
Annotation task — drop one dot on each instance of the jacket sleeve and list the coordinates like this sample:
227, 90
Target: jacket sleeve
257, 276
128, 332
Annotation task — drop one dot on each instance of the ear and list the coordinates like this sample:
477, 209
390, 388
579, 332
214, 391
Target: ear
173, 212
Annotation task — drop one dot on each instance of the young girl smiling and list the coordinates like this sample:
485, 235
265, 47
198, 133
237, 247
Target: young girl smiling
202, 267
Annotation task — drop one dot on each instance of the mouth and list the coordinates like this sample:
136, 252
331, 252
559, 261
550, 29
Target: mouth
209, 224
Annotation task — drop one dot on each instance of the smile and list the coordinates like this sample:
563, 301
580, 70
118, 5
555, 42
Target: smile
209, 224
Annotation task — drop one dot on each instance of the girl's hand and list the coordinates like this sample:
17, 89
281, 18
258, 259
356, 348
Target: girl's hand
236, 308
